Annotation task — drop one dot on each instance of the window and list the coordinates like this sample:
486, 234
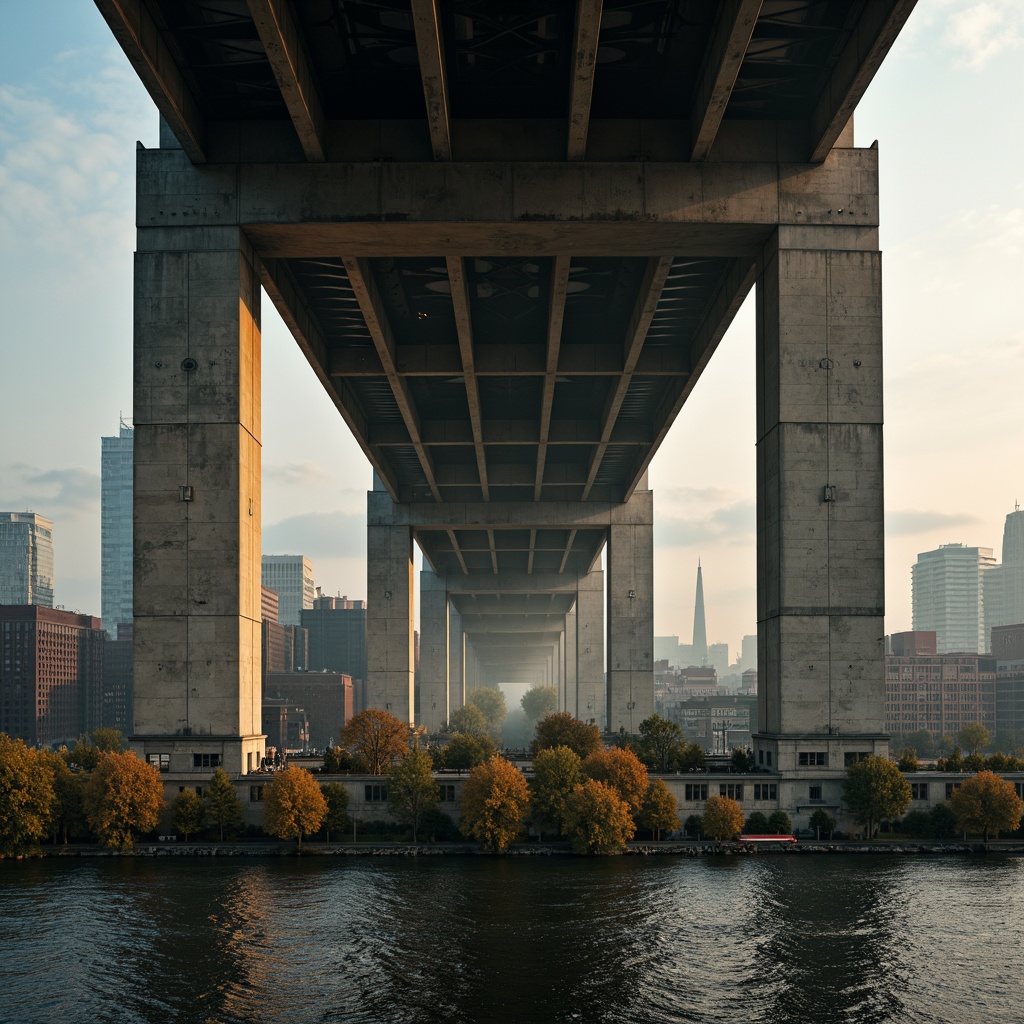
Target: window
255, 794
812, 758
733, 790
206, 760
760, 757
769, 758
951, 788
696, 791
814, 793
446, 793
162, 762
765, 791
376, 793
851, 757
919, 791
1019, 787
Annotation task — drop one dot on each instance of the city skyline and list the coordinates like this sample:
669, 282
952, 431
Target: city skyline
72, 110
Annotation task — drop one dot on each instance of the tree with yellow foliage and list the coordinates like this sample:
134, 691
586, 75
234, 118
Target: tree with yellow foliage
722, 818
123, 797
597, 819
26, 796
293, 805
986, 804
494, 804
621, 769
659, 811
377, 738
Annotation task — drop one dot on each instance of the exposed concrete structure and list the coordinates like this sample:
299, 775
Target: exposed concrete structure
508, 263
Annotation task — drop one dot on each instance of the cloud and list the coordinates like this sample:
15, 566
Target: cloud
50, 492
730, 524
979, 31
324, 535
908, 522
294, 474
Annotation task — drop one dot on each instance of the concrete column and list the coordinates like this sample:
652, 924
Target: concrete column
197, 498
630, 564
390, 682
571, 684
456, 660
434, 654
590, 694
819, 499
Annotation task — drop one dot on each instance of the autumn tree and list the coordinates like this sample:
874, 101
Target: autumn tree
123, 798
26, 796
875, 790
464, 751
412, 790
973, 738
187, 812
495, 802
722, 818
222, 809
987, 804
108, 741
659, 811
67, 815
538, 702
561, 729
336, 819
822, 821
376, 736
621, 769
293, 805
468, 720
597, 819
908, 761
83, 755
556, 772
491, 703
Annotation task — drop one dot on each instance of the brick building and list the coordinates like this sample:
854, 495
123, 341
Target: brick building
325, 697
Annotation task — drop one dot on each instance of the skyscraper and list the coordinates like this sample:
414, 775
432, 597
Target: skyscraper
1004, 584
116, 462
700, 632
947, 596
291, 576
26, 559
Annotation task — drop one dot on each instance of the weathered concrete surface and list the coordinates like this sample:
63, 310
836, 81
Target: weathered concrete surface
434, 651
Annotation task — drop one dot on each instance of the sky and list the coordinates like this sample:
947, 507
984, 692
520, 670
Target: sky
944, 109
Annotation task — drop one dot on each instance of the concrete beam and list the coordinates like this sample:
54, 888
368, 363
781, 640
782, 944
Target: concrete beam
584, 65
282, 41
430, 49
556, 314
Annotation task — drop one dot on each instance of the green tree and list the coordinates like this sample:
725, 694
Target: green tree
953, 762
412, 790
660, 743
293, 805
187, 812
556, 772
875, 790
123, 798
659, 811
922, 741
337, 761
222, 809
26, 796
597, 819
464, 751
468, 720
822, 821
694, 826
538, 702
908, 761
377, 737
942, 821
336, 819
986, 804
561, 729
973, 738
108, 741
756, 824
67, 815
492, 703
722, 818
742, 760
916, 823
494, 804
779, 824
83, 755
621, 769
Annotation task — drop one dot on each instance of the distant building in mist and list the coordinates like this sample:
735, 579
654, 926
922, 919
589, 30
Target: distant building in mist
1004, 583
337, 639
117, 457
948, 596
291, 578
26, 559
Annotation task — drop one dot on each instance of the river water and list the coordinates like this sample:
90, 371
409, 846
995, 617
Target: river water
461, 940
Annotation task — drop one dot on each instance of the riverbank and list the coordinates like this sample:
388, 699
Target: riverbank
273, 848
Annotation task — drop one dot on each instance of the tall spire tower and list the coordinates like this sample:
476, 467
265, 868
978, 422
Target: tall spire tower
700, 632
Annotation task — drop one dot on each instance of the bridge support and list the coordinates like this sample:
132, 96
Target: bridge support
435, 656
589, 645
821, 690
197, 500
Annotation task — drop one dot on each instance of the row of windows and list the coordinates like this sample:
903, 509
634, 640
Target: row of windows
162, 762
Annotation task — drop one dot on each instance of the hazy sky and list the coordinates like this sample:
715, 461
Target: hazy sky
945, 111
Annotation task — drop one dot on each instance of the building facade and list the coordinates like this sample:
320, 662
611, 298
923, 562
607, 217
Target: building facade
337, 638
51, 674
1008, 651
948, 596
1004, 583
326, 699
26, 559
291, 578
116, 491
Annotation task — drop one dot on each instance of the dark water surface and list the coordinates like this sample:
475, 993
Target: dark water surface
470, 939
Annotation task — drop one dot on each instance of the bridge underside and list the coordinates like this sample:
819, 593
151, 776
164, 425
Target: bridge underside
508, 241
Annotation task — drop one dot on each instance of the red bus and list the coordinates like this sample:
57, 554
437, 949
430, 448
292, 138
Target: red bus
750, 838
